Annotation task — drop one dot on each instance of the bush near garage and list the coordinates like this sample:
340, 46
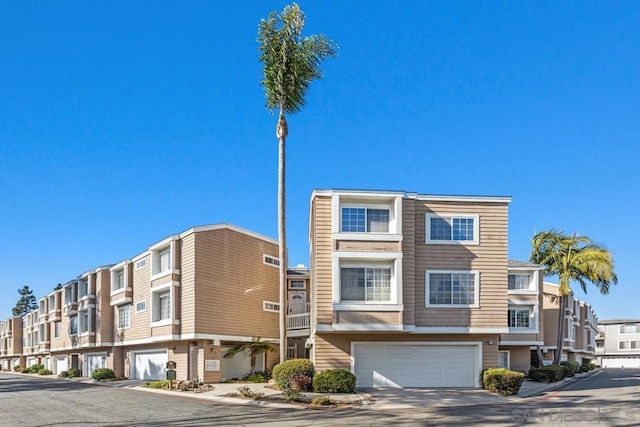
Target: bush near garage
34, 369
334, 381
283, 372
64, 374
103, 374
502, 381
74, 373
44, 371
17, 368
572, 368
548, 374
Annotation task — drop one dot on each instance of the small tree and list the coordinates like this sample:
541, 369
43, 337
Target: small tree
58, 287
255, 347
26, 303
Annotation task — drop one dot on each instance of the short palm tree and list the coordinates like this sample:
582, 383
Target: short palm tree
255, 347
572, 258
290, 63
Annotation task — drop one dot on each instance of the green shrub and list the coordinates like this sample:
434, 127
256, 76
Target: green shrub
103, 374
25, 370
17, 368
282, 372
592, 366
502, 381
572, 368
34, 369
157, 384
44, 371
64, 374
583, 368
245, 391
334, 381
74, 373
257, 377
548, 374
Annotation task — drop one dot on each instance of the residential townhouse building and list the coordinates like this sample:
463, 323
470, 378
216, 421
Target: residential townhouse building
618, 343
298, 306
408, 290
11, 343
188, 298
525, 316
580, 328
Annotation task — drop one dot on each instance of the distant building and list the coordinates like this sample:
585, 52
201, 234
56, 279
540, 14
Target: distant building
618, 343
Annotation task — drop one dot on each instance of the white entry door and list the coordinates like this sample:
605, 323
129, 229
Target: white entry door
61, 364
297, 302
503, 359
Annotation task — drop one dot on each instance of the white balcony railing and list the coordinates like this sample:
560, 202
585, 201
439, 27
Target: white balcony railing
299, 321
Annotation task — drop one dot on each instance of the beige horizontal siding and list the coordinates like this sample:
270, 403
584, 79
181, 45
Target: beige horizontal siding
356, 245
382, 317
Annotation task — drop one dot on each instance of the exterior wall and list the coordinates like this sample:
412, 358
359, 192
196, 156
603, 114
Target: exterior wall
519, 358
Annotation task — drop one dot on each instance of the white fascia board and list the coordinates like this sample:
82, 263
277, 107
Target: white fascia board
452, 198
459, 330
227, 226
359, 193
517, 343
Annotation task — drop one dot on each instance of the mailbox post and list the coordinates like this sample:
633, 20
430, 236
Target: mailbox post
171, 373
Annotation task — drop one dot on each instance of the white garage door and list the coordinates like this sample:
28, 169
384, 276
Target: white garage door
621, 362
239, 365
416, 365
149, 365
93, 362
61, 364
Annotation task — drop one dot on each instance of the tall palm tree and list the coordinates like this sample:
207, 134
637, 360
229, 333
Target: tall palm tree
290, 63
572, 258
255, 347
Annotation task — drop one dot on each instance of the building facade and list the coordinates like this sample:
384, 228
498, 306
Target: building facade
618, 343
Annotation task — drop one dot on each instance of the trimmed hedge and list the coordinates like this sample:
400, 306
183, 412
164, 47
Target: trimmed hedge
283, 372
334, 381
44, 371
502, 381
572, 368
548, 374
103, 374
34, 369
73, 373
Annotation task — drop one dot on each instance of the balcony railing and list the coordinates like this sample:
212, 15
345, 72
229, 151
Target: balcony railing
298, 321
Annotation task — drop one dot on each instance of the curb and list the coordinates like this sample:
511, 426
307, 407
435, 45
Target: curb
559, 384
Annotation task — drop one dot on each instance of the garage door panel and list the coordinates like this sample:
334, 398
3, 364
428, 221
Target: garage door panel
621, 362
150, 365
415, 365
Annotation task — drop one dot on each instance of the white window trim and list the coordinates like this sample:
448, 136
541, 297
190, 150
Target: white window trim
533, 284
393, 203
113, 275
627, 333
273, 303
118, 317
628, 349
533, 318
172, 297
140, 263
169, 242
265, 257
476, 229
145, 306
394, 258
476, 303
304, 284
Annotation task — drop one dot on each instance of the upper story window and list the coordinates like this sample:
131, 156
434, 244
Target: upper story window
628, 345
117, 279
84, 321
141, 306
519, 318
141, 263
270, 260
571, 332
455, 288
365, 283
83, 288
163, 258
42, 307
520, 281
70, 293
56, 329
452, 229
124, 316
364, 220
630, 328
162, 306
41, 332
73, 325
52, 303
297, 284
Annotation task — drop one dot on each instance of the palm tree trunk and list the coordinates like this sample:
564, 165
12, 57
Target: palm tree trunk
281, 133
561, 322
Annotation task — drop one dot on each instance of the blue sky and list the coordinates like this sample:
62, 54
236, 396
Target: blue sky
124, 122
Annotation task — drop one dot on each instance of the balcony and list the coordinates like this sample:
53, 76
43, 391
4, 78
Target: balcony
298, 324
70, 308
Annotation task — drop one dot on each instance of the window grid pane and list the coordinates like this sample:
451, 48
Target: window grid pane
519, 281
353, 220
365, 284
378, 220
440, 229
165, 306
462, 229
452, 288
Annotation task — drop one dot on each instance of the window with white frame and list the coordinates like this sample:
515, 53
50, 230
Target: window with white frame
73, 325
56, 329
52, 303
271, 306
519, 317
141, 306
124, 316
519, 281
630, 328
571, 332
118, 281
42, 308
141, 263
161, 306
41, 332
83, 324
365, 283
270, 260
456, 288
450, 228
70, 294
83, 288
362, 219
628, 345
297, 284
162, 259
